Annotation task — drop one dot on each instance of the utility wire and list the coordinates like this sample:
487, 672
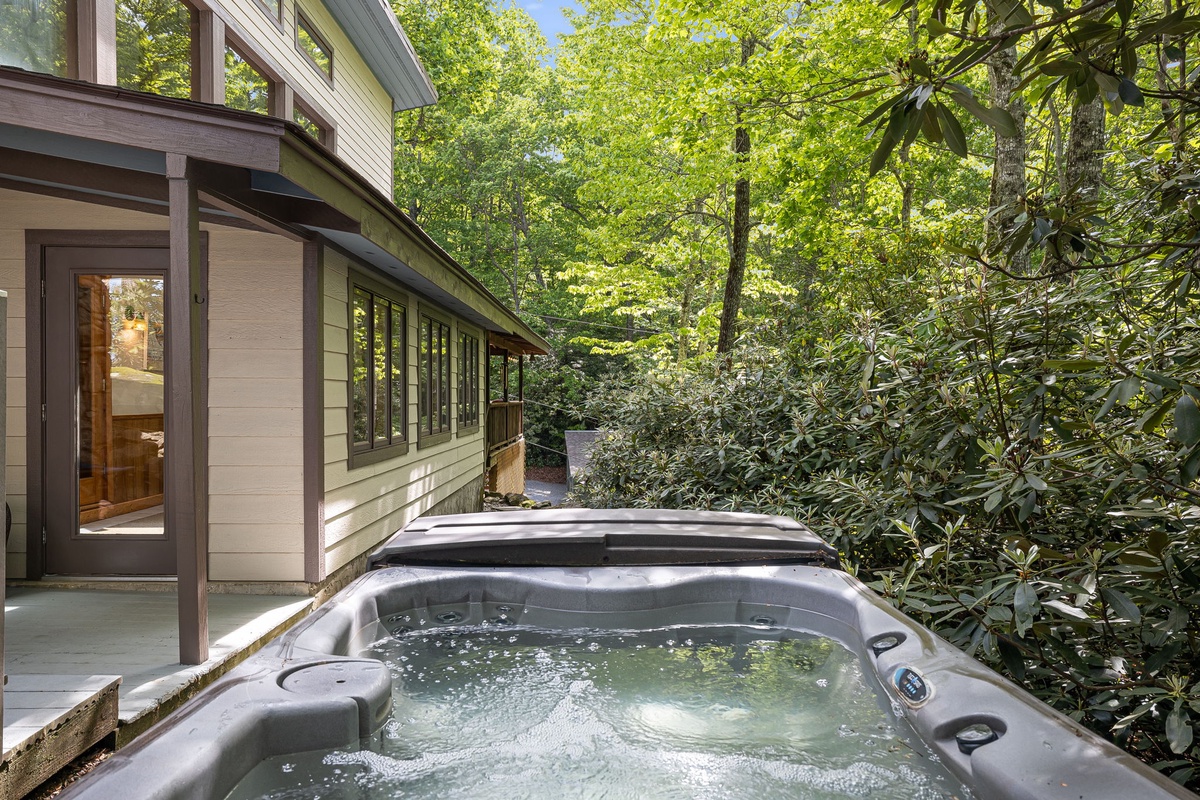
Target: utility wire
564, 410
543, 447
600, 324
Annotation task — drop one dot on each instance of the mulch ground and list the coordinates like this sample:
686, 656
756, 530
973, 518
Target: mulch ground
71, 772
546, 474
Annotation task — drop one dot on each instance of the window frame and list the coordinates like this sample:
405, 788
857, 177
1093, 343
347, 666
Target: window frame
373, 451
322, 42
442, 433
465, 426
270, 14
328, 132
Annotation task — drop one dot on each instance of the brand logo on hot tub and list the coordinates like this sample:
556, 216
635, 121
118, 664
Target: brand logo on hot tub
913, 688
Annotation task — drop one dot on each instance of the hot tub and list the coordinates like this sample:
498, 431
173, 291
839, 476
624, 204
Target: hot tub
404, 684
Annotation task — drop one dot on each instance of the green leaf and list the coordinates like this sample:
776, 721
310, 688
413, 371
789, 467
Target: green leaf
1120, 603
1179, 729
956, 140
880, 156
930, 126
1024, 599
1187, 420
1012, 659
1072, 365
1124, 10
1130, 93
937, 28
1128, 389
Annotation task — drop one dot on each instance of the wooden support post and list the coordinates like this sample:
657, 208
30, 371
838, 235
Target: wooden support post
282, 100
96, 24
208, 58
186, 496
504, 375
3, 461
521, 377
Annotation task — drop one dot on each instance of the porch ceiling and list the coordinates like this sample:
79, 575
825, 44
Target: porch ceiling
108, 145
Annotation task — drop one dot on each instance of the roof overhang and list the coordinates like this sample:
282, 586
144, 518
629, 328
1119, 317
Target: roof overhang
373, 28
109, 146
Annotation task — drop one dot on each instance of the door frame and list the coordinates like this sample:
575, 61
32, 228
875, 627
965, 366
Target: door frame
35, 243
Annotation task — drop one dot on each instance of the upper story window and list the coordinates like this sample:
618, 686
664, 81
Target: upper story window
312, 124
246, 87
468, 381
379, 381
33, 35
154, 47
434, 376
313, 45
273, 7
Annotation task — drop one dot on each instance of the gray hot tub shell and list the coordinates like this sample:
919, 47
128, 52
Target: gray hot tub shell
307, 691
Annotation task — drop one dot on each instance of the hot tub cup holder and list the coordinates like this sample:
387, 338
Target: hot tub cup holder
888, 641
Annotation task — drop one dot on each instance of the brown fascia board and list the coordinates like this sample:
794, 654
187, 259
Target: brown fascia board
110, 114
316, 170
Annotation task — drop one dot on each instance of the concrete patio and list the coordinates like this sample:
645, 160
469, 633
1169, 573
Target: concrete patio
65, 647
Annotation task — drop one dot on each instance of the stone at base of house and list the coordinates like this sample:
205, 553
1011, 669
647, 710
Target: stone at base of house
467, 500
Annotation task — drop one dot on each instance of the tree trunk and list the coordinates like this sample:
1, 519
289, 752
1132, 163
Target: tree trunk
1085, 151
1008, 188
740, 241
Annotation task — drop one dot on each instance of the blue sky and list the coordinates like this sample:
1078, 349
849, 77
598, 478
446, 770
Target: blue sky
548, 15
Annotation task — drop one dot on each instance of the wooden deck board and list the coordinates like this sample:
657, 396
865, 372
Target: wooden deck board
49, 720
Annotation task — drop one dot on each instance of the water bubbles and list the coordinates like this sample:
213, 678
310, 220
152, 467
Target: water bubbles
706, 711
287, 767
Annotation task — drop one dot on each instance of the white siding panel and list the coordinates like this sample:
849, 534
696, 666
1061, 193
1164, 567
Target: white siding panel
367, 504
257, 566
256, 435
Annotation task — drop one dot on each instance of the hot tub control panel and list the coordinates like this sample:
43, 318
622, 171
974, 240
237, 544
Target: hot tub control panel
912, 687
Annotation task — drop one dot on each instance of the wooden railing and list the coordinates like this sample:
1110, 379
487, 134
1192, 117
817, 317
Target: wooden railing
505, 422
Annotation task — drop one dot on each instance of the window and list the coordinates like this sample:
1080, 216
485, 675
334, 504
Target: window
434, 387
468, 381
246, 87
312, 124
313, 46
33, 35
154, 47
378, 381
273, 9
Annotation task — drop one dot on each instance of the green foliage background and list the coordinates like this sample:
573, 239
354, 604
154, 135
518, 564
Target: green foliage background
997, 424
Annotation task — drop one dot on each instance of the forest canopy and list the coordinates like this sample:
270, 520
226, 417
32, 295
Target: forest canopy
921, 274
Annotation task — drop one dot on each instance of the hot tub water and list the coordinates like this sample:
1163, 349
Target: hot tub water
714, 711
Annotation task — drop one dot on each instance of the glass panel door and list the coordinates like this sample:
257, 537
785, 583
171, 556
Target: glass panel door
120, 328
104, 439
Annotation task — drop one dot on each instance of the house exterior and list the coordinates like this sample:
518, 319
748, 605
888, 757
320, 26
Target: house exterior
231, 358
